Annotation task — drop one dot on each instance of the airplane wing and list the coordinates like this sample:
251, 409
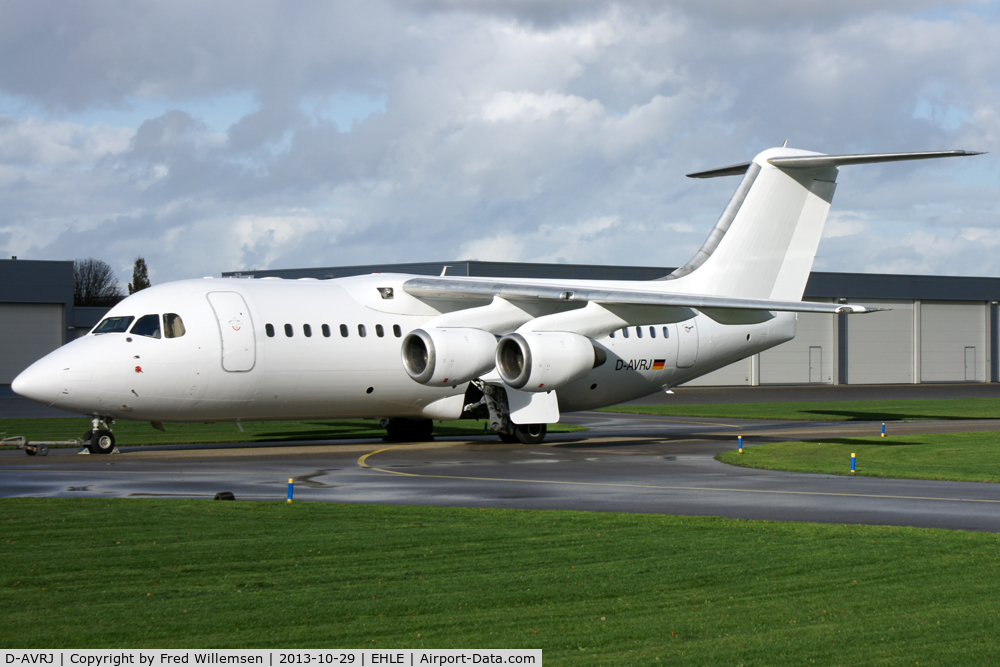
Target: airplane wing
457, 288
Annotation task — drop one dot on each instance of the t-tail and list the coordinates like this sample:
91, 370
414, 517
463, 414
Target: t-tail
764, 244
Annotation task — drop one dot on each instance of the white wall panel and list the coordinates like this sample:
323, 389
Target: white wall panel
789, 363
947, 329
28, 331
880, 345
736, 373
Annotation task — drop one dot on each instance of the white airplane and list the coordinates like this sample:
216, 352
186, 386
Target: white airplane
409, 349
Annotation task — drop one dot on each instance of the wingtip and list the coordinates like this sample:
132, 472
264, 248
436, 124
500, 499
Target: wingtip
854, 309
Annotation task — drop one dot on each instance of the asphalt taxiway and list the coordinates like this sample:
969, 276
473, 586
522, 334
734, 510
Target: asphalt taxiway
624, 463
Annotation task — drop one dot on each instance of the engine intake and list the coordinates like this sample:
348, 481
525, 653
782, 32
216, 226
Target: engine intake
448, 356
542, 361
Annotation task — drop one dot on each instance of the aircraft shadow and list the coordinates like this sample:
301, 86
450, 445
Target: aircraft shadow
880, 416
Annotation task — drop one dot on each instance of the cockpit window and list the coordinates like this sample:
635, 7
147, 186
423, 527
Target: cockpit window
147, 325
114, 325
173, 326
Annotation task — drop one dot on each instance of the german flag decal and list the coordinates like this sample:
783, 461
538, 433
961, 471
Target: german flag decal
658, 364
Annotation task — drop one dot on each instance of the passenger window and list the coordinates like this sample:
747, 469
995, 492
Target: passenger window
666, 332
611, 335
652, 332
173, 326
148, 326
288, 330
326, 331
343, 330
269, 330
361, 330
379, 331
307, 330
396, 331
114, 325
638, 332
625, 333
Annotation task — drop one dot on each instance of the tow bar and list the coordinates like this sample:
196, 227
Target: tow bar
36, 447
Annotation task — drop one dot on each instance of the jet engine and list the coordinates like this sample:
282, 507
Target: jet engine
541, 361
448, 356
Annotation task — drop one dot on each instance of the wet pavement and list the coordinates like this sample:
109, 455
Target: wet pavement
624, 463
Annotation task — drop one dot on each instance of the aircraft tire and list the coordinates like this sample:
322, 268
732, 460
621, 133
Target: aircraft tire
101, 441
509, 438
530, 434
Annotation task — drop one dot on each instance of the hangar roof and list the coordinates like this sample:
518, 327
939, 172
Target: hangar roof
32, 281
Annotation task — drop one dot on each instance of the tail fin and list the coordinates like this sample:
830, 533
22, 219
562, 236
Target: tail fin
764, 244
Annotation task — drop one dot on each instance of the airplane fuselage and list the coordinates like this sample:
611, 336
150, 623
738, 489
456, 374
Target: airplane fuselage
276, 349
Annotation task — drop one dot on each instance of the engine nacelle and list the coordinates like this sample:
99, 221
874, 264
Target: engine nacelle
541, 361
439, 357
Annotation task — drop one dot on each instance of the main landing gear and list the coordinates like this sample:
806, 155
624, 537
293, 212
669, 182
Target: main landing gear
494, 399
100, 439
526, 434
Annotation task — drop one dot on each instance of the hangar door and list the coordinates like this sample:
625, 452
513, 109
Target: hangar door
28, 331
880, 345
952, 341
807, 358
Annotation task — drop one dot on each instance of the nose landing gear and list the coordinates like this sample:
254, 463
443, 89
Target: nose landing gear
100, 439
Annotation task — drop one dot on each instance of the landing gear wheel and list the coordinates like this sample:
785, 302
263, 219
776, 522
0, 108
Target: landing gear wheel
508, 438
100, 441
530, 434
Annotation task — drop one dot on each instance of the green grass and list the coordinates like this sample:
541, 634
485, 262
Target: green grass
943, 408
960, 457
587, 588
141, 433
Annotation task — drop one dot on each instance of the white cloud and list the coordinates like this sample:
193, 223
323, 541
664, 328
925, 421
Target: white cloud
499, 248
508, 106
263, 239
847, 223
34, 143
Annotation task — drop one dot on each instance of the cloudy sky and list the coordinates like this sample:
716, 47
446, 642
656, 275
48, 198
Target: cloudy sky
216, 136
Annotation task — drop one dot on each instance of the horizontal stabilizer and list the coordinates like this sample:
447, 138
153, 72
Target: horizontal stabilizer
821, 161
731, 170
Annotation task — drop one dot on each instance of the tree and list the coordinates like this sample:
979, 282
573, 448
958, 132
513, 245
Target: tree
140, 276
95, 284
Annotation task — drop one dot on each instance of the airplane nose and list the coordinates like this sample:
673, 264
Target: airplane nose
39, 382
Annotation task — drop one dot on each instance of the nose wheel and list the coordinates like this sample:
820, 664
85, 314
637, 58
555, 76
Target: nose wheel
100, 439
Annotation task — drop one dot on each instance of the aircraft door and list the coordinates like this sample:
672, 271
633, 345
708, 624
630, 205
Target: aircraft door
239, 345
687, 343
